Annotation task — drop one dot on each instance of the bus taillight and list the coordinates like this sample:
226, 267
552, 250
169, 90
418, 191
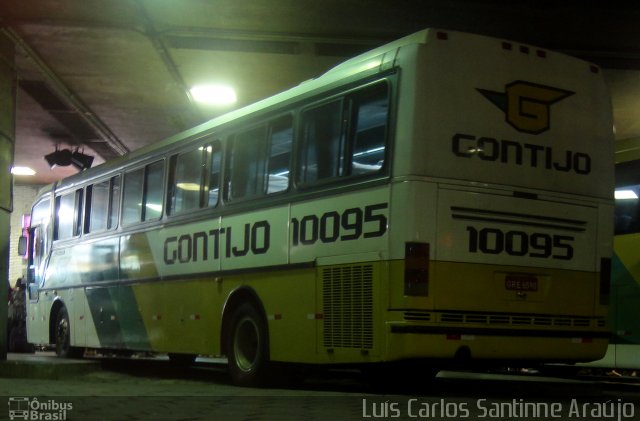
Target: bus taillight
416, 269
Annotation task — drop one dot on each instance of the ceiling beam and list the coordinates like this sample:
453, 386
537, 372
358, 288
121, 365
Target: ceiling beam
149, 30
68, 96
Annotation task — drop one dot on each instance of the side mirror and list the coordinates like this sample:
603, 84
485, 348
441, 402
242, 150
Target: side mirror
22, 245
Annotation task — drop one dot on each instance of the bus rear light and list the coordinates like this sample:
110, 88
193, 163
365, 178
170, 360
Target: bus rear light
507, 46
442, 35
416, 269
605, 280
541, 53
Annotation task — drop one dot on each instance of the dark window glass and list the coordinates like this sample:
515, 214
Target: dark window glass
371, 111
115, 202
187, 178
132, 198
247, 164
68, 211
345, 137
99, 206
627, 195
154, 191
323, 143
214, 155
280, 144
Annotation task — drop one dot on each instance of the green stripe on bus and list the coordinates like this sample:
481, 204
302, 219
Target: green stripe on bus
117, 320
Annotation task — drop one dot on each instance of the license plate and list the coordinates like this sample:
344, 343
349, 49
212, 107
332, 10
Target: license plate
521, 283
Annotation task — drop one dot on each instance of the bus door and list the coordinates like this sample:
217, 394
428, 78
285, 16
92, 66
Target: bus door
37, 320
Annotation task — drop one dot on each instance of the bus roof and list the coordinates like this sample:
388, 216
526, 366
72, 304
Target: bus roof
369, 62
365, 64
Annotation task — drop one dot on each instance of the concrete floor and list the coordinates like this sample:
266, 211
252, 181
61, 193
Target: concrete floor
154, 389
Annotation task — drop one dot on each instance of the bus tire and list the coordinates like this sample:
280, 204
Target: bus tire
247, 347
63, 336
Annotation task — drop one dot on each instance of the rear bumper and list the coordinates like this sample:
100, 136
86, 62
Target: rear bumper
417, 340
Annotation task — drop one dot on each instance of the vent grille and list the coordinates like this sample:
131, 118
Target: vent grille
348, 307
417, 316
504, 319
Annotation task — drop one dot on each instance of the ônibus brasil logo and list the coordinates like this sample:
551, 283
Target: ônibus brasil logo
526, 105
24, 408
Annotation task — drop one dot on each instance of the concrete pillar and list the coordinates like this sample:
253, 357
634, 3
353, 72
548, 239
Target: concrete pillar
7, 139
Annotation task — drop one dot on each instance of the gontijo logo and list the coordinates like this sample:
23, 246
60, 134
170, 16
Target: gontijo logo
527, 105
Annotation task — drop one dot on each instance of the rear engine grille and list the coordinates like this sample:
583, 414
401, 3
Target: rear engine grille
348, 307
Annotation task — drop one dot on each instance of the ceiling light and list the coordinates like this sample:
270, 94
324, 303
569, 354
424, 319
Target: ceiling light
22, 171
214, 94
625, 194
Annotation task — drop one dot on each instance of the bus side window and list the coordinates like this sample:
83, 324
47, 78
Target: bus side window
214, 159
132, 197
187, 176
98, 204
143, 194
370, 112
68, 215
280, 144
322, 151
246, 164
103, 202
329, 152
153, 191
114, 204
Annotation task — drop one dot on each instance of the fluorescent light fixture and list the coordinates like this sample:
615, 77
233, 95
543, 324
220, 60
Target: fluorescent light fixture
625, 195
22, 171
214, 94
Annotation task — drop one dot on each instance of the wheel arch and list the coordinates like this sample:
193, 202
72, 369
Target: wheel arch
57, 305
239, 296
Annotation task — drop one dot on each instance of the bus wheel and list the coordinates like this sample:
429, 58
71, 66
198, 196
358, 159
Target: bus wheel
63, 337
247, 347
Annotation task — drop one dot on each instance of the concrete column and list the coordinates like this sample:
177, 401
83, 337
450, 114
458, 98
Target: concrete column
7, 139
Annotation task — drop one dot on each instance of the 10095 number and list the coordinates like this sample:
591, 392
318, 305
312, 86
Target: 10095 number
520, 243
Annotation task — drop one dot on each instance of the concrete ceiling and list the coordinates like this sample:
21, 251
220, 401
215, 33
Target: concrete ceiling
113, 76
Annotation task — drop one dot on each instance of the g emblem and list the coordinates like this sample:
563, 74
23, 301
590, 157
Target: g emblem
527, 105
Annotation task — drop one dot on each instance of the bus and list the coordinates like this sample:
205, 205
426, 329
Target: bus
624, 316
446, 197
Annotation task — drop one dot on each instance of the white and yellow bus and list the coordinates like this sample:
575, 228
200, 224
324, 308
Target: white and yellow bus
445, 196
